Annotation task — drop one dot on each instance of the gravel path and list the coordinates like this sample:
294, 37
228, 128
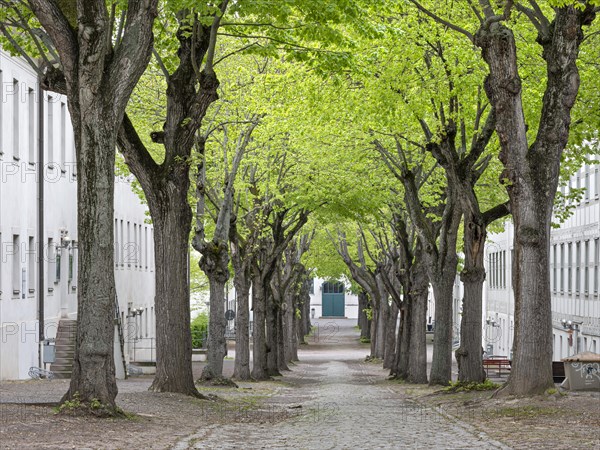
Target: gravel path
338, 402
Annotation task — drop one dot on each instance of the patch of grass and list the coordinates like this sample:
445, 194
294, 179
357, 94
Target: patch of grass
373, 359
459, 386
364, 340
76, 407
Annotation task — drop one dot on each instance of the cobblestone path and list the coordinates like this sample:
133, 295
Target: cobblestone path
336, 401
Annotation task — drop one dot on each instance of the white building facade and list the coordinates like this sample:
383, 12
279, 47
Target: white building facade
332, 299
574, 277
38, 229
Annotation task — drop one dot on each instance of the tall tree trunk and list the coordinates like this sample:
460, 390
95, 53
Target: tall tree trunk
469, 356
363, 321
93, 374
166, 187
532, 172
281, 341
382, 322
401, 357
214, 263
272, 311
99, 82
241, 368
289, 328
390, 338
441, 366
172, 219
417, 358
259, 343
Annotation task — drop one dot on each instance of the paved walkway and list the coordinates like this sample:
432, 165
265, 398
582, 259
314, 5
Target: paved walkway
339, 402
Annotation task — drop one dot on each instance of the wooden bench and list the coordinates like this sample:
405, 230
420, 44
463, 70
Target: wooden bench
496, 363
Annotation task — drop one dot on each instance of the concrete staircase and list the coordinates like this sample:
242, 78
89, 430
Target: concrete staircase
65, 348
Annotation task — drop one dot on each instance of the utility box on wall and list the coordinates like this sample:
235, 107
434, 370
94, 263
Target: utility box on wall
49, 352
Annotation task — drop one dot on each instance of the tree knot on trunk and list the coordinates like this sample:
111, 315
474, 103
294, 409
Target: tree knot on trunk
208, 81
473, 275
530, 236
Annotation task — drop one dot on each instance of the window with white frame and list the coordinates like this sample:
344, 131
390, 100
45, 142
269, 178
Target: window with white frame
554, 268
31, 260
586, 267
577, 267
51, 264
15, 121
63, 139
570, 267
31, 125
596, 264
16, 265
50, 128
562, 267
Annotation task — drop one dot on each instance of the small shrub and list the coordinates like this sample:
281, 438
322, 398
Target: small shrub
365, 340
199, 328
459, 386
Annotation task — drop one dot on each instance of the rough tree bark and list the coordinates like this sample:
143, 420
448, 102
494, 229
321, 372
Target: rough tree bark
438, 241
463, 169
284, 227
242, 273
166, 187
215, 255
363, 321
532, 171
99, 80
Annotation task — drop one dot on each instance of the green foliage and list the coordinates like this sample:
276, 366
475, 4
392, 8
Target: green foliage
460, 386
365, 340
199, 328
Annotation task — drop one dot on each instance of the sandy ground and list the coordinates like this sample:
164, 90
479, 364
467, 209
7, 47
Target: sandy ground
331, 399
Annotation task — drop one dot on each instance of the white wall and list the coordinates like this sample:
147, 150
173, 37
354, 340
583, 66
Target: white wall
21, 173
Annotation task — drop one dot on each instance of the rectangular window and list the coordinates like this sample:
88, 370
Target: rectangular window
141, 249
70, 271
31, 265
135, 245
16, 133
597, 183
587, 186
16, 265
63, 137
58, 266
586, 267
51, 264
31, 125
122, 246
146, 243
569, 267
562, 268
73, 273
116, 242
554, 269
50, 128
128, 245
491, 264
577, 267
596, 264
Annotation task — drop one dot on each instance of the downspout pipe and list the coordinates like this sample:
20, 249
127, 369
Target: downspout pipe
41, 240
